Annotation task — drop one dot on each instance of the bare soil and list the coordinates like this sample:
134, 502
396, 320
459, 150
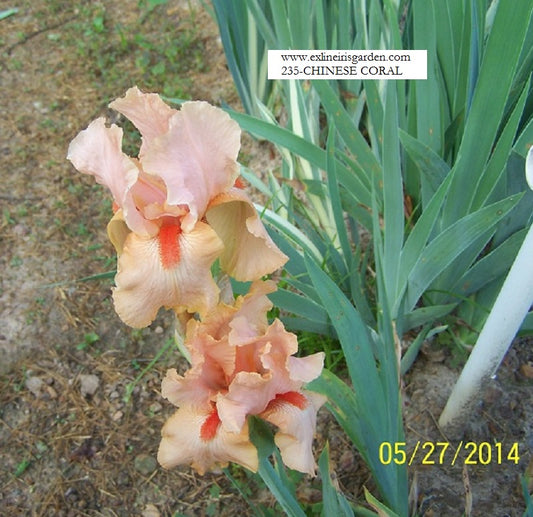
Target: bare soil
79, 424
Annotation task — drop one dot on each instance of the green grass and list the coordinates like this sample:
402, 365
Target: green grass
152, 49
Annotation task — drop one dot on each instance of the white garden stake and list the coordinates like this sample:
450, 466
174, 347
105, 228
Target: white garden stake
508, 313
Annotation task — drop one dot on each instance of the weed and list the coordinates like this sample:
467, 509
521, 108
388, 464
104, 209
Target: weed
168, 346
48, 123
88, 339
22, 466
7, 218
22, 211
16, 261
82, 230
19, 386
147, 6
16, 64
449, 339
214, 495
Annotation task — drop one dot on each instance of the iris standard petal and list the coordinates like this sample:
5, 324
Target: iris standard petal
306, 369
97, 151
189, 389
196, 157
215, 355
250, 319
249, 394
148, 113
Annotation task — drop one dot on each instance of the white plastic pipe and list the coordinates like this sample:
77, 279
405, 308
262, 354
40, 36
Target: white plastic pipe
507, 314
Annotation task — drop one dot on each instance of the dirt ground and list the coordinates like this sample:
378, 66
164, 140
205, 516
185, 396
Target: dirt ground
80, 406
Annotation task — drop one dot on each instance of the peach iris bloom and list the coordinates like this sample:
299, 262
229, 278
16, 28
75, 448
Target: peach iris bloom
241, 366
177, 207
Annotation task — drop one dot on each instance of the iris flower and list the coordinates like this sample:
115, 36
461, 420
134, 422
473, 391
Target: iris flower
177, 206
241, 366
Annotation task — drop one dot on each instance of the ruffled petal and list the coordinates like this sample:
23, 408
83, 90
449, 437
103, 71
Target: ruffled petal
97, 151
239, 322
214, 355
196, 157
148, 190
306, 369
182, 443
296, 422
249, 252
250, 319
214, 324
248, 394
150, 276
147, 112
282, 344
261, 372
190, 390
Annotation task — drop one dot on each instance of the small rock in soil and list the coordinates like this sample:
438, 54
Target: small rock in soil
145, 464
89, 384
34, 384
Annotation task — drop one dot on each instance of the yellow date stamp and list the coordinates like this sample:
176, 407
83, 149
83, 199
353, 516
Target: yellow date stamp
445, 453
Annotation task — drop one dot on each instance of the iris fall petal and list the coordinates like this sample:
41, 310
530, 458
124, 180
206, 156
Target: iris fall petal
249, 252
182, 443
144, 284
296, 424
